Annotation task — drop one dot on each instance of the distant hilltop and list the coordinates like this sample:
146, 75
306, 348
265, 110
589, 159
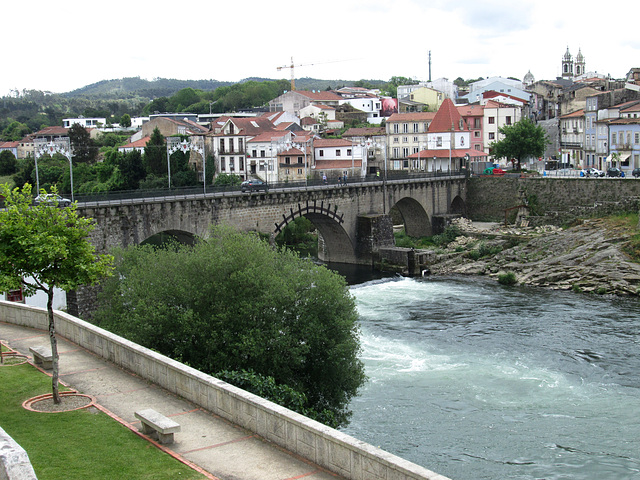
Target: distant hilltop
165, 87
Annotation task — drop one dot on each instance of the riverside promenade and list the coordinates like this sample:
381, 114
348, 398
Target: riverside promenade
206, 442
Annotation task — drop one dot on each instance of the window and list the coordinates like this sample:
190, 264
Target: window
508, 120
222, 165
300, 160
613, 138
241, 163
222, 145
438, 141
348, 152
337, 152
231, 164
476, 123
415, 128
396, 152
405, 139
405, 151
299, 171
263, 154
396, 128
287, 160
254, 153
232, 128
636, 138
405, 128
321, 153
240, 145
396, 139
476, 134
492, 136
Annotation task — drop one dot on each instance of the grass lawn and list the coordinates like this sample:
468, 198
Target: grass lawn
80, 444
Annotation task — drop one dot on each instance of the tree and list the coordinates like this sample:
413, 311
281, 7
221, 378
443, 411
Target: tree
84, 148
125, 120
43, 247
8, 164
234, 303
155, 154
521, 140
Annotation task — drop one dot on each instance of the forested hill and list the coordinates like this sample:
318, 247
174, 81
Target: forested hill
165, 87
144, 89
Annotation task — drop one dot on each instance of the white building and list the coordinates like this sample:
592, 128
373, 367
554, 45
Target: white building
85, 122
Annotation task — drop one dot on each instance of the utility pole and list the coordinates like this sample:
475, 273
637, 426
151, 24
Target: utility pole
429, 65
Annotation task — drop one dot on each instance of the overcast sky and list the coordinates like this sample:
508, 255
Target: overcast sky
61, 46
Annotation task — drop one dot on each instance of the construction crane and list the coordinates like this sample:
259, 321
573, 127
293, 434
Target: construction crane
293, 78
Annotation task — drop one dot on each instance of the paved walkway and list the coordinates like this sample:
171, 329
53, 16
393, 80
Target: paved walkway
207, 442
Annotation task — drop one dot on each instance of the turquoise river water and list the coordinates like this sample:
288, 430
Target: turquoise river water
474, 380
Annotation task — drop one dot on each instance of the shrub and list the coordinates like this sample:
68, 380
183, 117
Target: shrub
507, 278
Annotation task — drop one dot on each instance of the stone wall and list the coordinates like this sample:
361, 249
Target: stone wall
14, 461
307, 438
557, 201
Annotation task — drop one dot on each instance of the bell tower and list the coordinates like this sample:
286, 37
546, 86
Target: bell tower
567, 65
580, 64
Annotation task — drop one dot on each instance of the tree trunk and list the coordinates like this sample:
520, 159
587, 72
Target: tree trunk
54, 347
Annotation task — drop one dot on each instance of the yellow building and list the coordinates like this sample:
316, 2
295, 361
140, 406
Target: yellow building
428, 97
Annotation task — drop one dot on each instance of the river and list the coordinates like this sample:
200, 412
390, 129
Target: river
474, 380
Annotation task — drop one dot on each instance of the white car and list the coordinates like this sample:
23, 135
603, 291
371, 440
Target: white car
593, 172
52, 199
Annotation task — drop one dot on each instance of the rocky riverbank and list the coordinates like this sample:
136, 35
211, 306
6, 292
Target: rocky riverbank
589, 257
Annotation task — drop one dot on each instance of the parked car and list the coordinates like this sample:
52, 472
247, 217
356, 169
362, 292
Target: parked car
498, 171
52, 199
636, 172
594, 172
614, 172
254, 185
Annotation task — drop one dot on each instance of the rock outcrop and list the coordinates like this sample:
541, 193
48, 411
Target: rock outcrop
588, 258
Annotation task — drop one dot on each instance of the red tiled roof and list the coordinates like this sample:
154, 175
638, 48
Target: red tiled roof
52, 131
447, 118
9, 144
137, 144
577, 113
320, 96
471, 110
411, 117
267, 136
331, 142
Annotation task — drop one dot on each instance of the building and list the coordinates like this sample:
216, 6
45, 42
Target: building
337, 157
85, 122
473, 116
406, 134
294, 101
571, 69
135, 145
374, 142
496, 116
262, 154
572, 139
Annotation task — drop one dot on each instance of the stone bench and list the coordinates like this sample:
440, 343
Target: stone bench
42, 356
156, 424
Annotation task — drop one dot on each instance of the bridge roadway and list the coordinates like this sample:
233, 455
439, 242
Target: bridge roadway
353, 220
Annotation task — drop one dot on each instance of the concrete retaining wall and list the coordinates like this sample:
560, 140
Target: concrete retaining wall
14, 461
318, 443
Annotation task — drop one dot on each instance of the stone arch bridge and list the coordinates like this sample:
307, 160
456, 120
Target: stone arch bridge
353, 220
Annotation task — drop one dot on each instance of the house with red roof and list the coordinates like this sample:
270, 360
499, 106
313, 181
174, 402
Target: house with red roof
294, 101
337, 157
496, 116
406, 135
448, 146
135, 145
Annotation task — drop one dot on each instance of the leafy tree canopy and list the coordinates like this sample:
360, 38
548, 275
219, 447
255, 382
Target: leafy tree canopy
234, 303
521, 140
43, 247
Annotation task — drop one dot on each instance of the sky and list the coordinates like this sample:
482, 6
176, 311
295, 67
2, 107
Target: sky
59, 47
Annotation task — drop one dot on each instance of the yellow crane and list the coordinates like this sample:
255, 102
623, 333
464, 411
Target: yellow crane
293, 78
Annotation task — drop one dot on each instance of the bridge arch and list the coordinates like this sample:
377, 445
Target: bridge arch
416, 219
334, 243
179, 236
458, 206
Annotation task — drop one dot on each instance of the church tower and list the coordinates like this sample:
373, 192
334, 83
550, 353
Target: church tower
567, 65
580, 64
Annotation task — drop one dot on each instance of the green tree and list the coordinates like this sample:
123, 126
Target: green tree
15, 131
84, 148
43, 247
8, 165
155, 154
234, 303
125, 120
521, 140
226, 179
